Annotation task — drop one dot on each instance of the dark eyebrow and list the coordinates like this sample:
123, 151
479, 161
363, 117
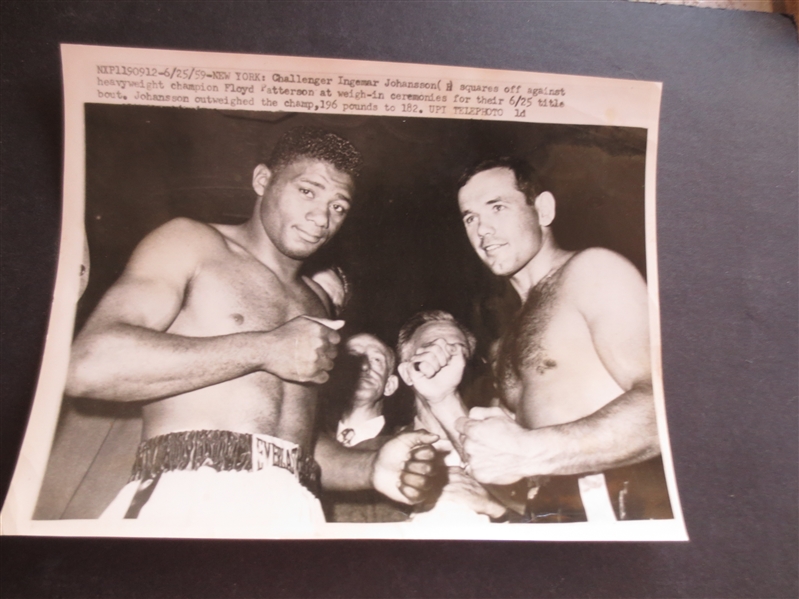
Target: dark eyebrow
488, 203
318, 185
311, 182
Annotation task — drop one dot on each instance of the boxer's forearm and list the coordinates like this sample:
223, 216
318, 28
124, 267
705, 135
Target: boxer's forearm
344, 468
622, 432
128, 363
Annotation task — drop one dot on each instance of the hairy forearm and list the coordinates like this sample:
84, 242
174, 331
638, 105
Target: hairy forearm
622, 432
128, 363
344, 468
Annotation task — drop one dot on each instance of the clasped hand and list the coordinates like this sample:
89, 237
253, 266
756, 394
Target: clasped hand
435, 370
494, 446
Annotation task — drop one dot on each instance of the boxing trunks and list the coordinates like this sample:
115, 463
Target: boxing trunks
214, 477
636, 492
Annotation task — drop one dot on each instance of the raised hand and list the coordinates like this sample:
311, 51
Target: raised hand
435, 370
303, 349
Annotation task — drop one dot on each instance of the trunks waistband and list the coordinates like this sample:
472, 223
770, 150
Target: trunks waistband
224, 451
636, 492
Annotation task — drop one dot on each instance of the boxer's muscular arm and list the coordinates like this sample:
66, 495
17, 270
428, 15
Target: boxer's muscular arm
402, 468
343, 468
622, 432
612, 297
123, 353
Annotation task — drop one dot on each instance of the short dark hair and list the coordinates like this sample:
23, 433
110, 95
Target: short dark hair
527, 179
419, 319
317, 144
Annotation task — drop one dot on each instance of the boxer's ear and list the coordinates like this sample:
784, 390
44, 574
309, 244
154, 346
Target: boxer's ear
392, 382
260, 179
545, 206
404, 370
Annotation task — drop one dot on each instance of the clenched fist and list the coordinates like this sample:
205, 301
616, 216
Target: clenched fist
406, 468
435, 369
303, 349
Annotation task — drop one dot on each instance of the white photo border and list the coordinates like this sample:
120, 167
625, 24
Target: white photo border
568, 99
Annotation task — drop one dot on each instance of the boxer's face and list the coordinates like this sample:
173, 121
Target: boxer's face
304, 205
503, 228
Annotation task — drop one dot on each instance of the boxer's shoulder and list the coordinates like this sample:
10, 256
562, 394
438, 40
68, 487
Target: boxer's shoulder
595, 264
191, 233
598, 273
184, 237
175, 249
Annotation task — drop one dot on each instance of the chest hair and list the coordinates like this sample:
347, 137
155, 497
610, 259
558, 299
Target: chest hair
523, 347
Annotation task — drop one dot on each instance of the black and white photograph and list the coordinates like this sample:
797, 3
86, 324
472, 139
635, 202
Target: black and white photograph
286, 313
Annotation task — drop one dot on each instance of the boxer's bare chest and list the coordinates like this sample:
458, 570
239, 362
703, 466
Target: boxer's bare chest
231, 292
524, 349
235, 293
540, 355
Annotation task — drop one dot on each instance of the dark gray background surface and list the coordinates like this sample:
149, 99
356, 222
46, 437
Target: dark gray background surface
727, 243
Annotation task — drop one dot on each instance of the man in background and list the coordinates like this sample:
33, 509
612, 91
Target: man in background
363, 417
434, 349
361, 387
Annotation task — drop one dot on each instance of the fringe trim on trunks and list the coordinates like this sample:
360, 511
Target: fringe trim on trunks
220, 450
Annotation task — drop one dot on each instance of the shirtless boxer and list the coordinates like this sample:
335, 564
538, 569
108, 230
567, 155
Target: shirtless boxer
213, 329
575, 365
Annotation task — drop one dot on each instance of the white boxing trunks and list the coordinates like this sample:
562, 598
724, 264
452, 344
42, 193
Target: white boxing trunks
213, 479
